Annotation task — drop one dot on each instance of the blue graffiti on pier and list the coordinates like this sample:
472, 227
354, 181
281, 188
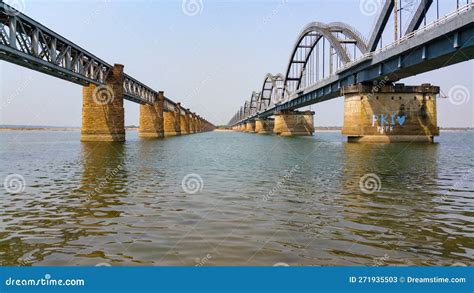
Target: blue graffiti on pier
387, 123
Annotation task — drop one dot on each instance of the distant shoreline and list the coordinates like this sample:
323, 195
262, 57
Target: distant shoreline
134, 128
6, 129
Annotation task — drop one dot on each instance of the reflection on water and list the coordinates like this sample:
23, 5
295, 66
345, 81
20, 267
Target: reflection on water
259, 200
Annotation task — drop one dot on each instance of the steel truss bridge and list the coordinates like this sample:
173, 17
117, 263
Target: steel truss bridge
25, 42
328, 57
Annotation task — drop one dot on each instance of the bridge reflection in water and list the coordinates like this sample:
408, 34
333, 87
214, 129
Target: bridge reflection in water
389, 203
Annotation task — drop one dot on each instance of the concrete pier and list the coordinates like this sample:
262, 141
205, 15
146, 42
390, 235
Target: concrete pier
185, 122
294, 123
195, 120
250, 126
172, 125
102, 109
199, 124
264, 126
151, 119
390, 113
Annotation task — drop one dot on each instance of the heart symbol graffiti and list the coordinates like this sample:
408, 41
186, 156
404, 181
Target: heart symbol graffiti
401, 120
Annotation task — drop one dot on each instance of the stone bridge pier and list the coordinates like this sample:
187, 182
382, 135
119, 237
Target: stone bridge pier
185, 122
198, 124
172, 121
390, 113
151, 118
103, 115
294, 123
250, 126
264, 126
192, 123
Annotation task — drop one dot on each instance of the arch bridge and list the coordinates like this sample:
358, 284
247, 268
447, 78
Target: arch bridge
332, 60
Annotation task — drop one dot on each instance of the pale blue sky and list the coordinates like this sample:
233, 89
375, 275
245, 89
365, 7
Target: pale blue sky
211, 62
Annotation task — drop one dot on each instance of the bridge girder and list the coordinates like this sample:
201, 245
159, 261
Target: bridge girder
25, 42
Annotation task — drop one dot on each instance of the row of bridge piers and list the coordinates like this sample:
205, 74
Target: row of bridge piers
103, 115
285, 123
384, 113
156, 122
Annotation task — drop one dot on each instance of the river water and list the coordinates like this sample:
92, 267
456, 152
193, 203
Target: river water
224, 198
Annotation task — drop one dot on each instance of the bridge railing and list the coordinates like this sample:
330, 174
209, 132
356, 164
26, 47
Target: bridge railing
429, 26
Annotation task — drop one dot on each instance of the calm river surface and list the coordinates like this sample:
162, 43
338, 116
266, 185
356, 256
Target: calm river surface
224, 198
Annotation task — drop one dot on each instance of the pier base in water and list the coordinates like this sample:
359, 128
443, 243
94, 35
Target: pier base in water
390, 113
250, 126
264, 126
294, 123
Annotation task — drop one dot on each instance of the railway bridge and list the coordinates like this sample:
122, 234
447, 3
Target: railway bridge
25, 42
335, 60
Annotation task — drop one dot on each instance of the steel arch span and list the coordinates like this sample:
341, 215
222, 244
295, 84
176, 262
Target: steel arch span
327, 57
272, 89
310, 55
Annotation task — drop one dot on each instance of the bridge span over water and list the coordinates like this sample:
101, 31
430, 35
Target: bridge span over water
25, 42
333, 60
